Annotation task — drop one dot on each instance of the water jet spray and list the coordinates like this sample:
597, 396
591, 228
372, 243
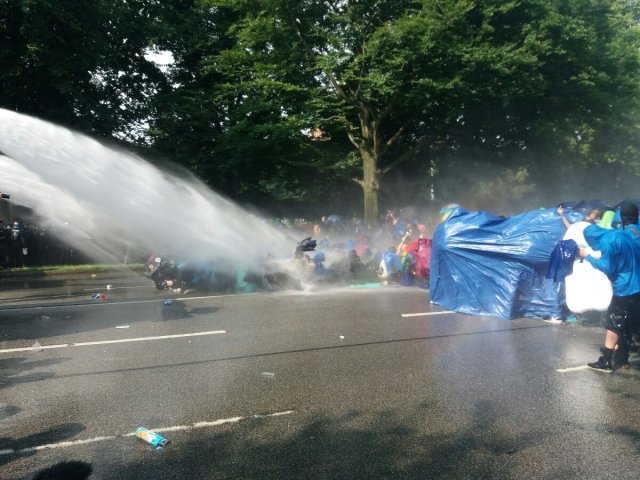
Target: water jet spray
97, 198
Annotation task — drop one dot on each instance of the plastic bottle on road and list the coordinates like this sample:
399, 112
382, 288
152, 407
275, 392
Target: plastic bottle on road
153, 438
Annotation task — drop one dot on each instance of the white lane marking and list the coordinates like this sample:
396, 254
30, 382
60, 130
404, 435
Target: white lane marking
106, 342
176, 428
572, 369
115, 288
277, 414
102, 303
425, 314
122, 326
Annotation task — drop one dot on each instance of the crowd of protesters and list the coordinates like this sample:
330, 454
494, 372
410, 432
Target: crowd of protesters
347, 249
394, 250
332, 250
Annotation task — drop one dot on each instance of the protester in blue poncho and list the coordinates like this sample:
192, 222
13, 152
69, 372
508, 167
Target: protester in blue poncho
620, 261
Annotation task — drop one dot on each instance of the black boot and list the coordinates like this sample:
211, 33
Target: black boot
604, 363
621, 355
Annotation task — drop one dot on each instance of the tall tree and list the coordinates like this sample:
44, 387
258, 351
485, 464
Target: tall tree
406, 78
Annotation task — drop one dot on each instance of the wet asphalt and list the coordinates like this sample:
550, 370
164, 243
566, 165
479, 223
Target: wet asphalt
330, 383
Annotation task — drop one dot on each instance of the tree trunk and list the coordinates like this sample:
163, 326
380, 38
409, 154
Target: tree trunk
370, 186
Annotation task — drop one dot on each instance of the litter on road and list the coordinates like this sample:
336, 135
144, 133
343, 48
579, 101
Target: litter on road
150, 437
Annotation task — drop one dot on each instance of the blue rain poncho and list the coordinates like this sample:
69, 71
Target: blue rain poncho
620, 260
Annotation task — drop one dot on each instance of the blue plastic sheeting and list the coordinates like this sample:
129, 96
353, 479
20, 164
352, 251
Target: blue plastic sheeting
482, 264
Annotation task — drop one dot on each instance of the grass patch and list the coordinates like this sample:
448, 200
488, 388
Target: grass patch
97, 267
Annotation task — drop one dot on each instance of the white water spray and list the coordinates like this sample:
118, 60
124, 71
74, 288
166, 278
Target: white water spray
98, 199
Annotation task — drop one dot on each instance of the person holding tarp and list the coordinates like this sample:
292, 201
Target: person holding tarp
620, 261
587, 290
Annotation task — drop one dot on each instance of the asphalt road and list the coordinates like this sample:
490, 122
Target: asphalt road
328, 384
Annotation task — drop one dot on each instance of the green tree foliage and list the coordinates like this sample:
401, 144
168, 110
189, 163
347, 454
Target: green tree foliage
186, 121
78, 62
291, 100
431, 79
567, 116
248, 136
589, 95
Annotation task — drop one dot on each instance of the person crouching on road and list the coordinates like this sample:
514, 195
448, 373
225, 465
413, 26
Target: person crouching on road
620, 261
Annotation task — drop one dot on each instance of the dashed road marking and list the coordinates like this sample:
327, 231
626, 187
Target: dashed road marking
176, 428
572, 369
106, 342
425, 314
111, 303
146, 287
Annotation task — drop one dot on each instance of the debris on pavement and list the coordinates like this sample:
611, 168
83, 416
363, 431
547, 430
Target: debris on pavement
150, 437
173, 310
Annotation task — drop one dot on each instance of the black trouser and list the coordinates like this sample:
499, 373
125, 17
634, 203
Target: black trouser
622, 318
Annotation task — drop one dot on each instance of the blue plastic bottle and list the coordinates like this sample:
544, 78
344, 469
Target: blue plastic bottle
153, 438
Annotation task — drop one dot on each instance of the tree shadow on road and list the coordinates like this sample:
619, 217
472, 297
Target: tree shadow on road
410, 443
11, 370
7, 411
352, 446
24, 446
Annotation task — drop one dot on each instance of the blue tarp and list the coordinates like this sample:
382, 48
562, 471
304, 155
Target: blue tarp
483, 264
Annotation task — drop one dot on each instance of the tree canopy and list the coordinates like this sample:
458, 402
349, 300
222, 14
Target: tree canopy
301, 101
78, 62
435, 78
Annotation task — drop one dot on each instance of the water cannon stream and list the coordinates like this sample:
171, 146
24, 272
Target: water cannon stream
97, 197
